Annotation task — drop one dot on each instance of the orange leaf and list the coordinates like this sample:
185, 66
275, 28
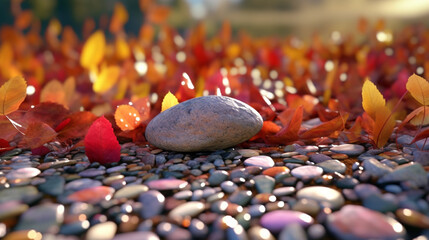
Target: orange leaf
37, 134
54, 92
158, 14
12, 94
268, 128
93, 50
327, 128
168, 101
143, 107
24, 19
383, 127
127, 117
354, 133
119, 18
419, 89
289, 132
107, 79
421, 135
372, 100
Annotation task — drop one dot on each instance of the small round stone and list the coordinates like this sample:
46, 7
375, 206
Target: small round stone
105, 230
307, 172
276, 220
323, 195
22, 173
167, 184
412, 218
188, 209
349, 149
130, 191
260, 161
331, 166
357, 222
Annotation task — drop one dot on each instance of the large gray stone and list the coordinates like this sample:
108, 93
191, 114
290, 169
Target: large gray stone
204, 124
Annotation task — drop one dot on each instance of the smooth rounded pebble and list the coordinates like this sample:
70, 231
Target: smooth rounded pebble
136, 236
349, 149
27, 172
308, 171
322, 195
357, 222
259, 161
204, 124
167, 184
188, 209
276, 220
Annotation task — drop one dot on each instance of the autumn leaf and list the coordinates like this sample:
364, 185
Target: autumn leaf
93, 50
77, 127
421, 135
37, 134
158, 14
101, 144
12, 94
383, 126
290, 130
119, 18
419, 89
168, 101
372, 100
327, 128
127, 117
4, 146
107, 79
54, 92
421, 117
268, 128
47, 112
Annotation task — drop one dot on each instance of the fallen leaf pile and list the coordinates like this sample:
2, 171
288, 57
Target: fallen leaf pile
106, 87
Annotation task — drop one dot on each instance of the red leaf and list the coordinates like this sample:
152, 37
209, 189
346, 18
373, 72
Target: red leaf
47, 112
421, 135
62, 124
289, 132
327, 128
77, 127
41, 151
4, 146
101, 144
37, 134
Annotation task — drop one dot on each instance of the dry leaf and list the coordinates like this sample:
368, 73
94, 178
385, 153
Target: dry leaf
168, 101
383, 126
37, 134
12, 94
326, 128
372, 100
419, 89
54, 92
107, 79
93, 50
127, 117
119, 18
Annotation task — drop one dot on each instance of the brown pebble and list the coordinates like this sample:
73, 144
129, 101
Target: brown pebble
339, 156
129, 223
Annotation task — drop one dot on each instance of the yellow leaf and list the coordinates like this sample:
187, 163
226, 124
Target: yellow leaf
383, 127
419, 89
372, 100
127, 117
421, 116
12, 94
93, 50
122, 49
168, 101
54, 92
107, 78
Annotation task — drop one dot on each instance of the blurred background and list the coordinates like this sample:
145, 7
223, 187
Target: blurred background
259, 18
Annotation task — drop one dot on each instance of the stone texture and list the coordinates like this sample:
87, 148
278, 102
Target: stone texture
204, 124
357, 222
